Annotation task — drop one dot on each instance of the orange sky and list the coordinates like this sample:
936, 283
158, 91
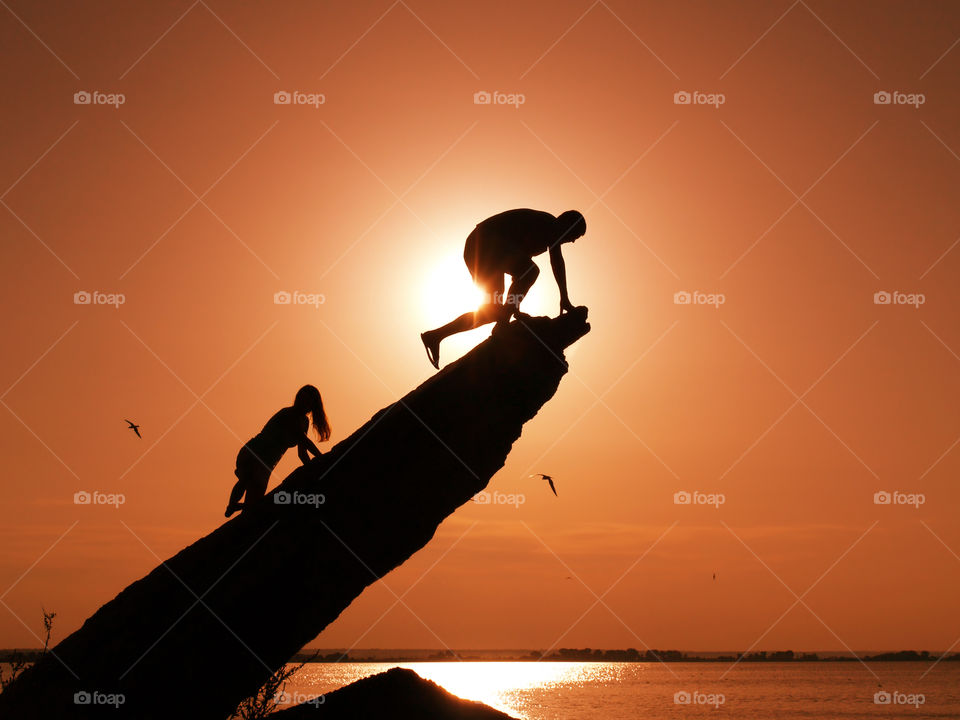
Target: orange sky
797, 199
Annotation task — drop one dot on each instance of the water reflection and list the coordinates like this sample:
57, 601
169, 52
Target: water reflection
505, 685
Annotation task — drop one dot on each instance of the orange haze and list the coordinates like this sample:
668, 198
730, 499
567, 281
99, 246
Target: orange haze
794, 201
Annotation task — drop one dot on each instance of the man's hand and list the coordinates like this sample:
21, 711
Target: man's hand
566, 306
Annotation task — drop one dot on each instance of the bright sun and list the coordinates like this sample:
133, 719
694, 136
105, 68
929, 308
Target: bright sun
448, 291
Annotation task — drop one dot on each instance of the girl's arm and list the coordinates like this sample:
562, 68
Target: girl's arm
304, 446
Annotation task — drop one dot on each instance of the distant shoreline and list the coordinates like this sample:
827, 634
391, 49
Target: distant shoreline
590, 655
629, 655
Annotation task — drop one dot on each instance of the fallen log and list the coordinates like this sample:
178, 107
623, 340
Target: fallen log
205, 628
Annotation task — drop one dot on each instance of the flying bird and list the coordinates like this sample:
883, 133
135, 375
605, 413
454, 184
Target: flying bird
549, 480
134, 427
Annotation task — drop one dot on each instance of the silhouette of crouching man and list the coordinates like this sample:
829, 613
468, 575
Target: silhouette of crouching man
506, 244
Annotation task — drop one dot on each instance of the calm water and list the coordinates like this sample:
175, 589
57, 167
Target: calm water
616, 691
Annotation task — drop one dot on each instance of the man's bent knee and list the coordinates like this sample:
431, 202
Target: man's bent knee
526, 271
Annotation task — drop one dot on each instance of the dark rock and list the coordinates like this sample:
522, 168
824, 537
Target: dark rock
397, 694
208, 626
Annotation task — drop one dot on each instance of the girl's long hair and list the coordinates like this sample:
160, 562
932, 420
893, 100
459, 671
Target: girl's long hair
308, 397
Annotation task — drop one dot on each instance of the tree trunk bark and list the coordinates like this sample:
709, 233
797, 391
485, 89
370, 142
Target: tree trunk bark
205, 628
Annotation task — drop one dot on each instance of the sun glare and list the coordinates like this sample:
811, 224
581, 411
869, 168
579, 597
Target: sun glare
494, 683
448, 291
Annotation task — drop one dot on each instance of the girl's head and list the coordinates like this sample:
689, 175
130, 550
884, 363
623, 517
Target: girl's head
308, 400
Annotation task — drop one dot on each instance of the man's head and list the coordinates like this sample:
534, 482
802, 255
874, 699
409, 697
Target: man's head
570, 225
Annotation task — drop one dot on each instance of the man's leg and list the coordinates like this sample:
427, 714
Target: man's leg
486, 313
522, 278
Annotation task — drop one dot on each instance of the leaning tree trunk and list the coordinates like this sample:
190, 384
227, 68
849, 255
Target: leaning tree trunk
205, 628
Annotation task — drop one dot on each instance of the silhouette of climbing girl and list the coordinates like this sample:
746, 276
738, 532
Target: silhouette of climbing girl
288, 428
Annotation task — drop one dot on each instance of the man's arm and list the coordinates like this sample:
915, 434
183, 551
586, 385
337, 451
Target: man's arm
560, 275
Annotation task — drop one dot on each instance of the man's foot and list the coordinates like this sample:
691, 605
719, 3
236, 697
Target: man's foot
503, 315
432, 348
232, 508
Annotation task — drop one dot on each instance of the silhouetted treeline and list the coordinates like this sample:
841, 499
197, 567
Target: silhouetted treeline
653, 655
27, 655
583, 655
627, 655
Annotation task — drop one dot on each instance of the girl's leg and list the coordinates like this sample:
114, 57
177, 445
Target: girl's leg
244, 471
237, 492
256, 488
